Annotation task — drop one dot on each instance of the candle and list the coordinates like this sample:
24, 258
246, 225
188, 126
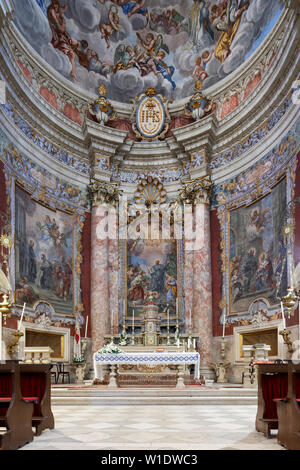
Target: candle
86, 326
224, 323
168, 312
283, 317
22, 315
133, 321
177, 308
194, 343
191, 318
178, 342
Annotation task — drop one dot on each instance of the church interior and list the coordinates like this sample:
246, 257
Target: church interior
149, 225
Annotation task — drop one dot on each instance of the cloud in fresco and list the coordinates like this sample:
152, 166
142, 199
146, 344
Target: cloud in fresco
83, 18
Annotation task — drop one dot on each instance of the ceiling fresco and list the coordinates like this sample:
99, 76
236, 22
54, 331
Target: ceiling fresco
132, 45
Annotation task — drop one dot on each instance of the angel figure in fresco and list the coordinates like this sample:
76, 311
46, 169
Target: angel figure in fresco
229, 25
124, 58
140, 60
156, 22
200, 66
158, 65
148, 43
113, 25
172, 20
258, 220
133, 7
50, 231
61, 40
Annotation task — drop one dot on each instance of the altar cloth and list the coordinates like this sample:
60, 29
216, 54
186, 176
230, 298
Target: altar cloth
150, 359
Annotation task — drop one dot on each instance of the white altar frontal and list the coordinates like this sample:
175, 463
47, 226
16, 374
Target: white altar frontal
150, 359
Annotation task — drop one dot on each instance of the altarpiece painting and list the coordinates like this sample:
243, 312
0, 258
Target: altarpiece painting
44, 254
257, 252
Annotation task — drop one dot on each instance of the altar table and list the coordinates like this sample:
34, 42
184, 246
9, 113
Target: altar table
151, 359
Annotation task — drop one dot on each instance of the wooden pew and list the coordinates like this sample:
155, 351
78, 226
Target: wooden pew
15, 411
36, 381
288, 411
272, 384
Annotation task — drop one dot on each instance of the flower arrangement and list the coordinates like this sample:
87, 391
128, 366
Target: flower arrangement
78, 360
123, 339
110, 348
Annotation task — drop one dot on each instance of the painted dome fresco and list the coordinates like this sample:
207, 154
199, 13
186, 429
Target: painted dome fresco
132, 45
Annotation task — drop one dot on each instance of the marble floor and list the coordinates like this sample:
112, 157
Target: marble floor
155, 427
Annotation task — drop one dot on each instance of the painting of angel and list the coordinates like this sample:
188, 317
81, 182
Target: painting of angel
113, 24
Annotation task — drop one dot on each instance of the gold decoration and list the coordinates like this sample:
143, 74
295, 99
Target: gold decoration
6, 241
150, 92
11, 347
196, 191
150, 116
104, 193
150, 191
102, 90
286, 339
5, 308
289, 301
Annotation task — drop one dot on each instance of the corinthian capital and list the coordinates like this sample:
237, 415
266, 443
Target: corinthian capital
197, 191
101, 192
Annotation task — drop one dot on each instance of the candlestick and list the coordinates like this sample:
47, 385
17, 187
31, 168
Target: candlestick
132, 342
168, 318
86, 326
22, 316
224, 323
283, 317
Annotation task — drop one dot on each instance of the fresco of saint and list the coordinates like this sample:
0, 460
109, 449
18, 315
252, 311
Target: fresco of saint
231, 20
198, 26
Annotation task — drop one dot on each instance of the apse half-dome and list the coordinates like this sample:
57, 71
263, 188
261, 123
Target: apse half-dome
132, 45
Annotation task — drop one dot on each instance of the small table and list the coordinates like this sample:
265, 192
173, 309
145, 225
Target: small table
180, 358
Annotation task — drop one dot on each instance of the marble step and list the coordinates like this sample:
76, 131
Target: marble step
152, 400
153, 392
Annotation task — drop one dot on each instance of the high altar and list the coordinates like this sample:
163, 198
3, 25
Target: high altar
163, 300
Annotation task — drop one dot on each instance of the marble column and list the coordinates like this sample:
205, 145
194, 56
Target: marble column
113, 273
198, 281
100, 309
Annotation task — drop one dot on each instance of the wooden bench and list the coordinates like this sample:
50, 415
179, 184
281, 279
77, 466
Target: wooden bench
15, 411
36, 381
288, 410
272, 385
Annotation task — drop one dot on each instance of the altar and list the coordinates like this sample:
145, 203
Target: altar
180, 359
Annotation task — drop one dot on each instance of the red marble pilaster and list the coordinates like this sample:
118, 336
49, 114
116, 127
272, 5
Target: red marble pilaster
100, 305
198, 284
